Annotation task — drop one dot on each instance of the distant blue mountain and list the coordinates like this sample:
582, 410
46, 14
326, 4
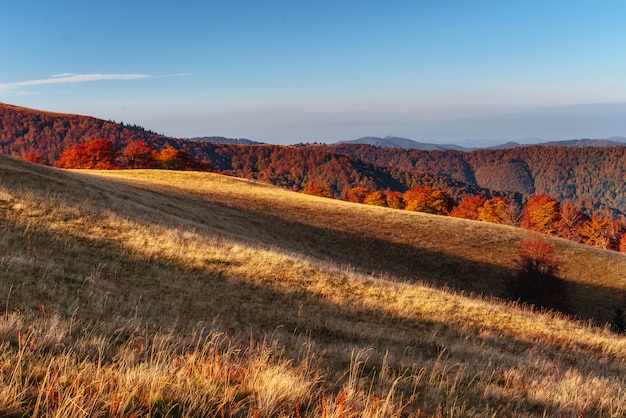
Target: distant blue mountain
600, 142
222, 140
609, 142
397, 142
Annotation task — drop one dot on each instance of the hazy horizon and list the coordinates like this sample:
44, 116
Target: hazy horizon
285, 72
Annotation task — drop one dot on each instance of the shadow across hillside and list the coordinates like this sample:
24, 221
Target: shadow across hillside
105, 279
188, 297
359, 250
252, 225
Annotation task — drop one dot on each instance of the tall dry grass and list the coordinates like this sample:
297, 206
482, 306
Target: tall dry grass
54, 368
108, 285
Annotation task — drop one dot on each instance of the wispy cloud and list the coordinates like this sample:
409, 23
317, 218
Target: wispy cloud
70, 78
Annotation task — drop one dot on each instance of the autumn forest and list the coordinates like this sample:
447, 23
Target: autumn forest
570, 192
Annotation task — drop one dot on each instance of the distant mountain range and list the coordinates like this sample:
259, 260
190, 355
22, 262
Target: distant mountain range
601, 142
223, 140
398, 142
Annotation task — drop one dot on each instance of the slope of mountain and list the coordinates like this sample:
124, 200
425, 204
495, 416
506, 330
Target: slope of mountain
585, 174
397, 142
619, 139
274, 303
294, 167
46, 134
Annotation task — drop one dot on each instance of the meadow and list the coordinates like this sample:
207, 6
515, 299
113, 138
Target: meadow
159, 293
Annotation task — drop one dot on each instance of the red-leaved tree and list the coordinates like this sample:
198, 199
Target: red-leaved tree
572, 222
537, 279
34, 158
357, 194
99, 154
139, 154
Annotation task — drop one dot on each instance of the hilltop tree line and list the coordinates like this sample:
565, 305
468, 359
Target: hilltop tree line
542, 213
101, 154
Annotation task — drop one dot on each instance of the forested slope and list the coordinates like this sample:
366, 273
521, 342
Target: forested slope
592, 176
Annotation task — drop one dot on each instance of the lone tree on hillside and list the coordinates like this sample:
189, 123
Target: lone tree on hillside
537, 279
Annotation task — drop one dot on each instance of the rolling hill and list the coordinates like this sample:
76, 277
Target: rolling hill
153, 293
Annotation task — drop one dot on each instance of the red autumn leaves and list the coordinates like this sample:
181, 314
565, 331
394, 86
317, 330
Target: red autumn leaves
102, 154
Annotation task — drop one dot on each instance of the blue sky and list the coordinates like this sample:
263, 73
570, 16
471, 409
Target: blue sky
293, 71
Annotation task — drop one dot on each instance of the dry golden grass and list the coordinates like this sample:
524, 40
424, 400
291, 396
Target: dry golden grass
192, 294
450, 252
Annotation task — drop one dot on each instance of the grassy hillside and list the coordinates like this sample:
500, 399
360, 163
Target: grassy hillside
193, 294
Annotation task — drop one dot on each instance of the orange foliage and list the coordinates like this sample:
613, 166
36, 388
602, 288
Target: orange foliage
314, 190
542, 214
356, 194
394, 200
170, 158
376, 198
428, 199
622, 243
99, 154
600, 232
468, 207
496, 210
